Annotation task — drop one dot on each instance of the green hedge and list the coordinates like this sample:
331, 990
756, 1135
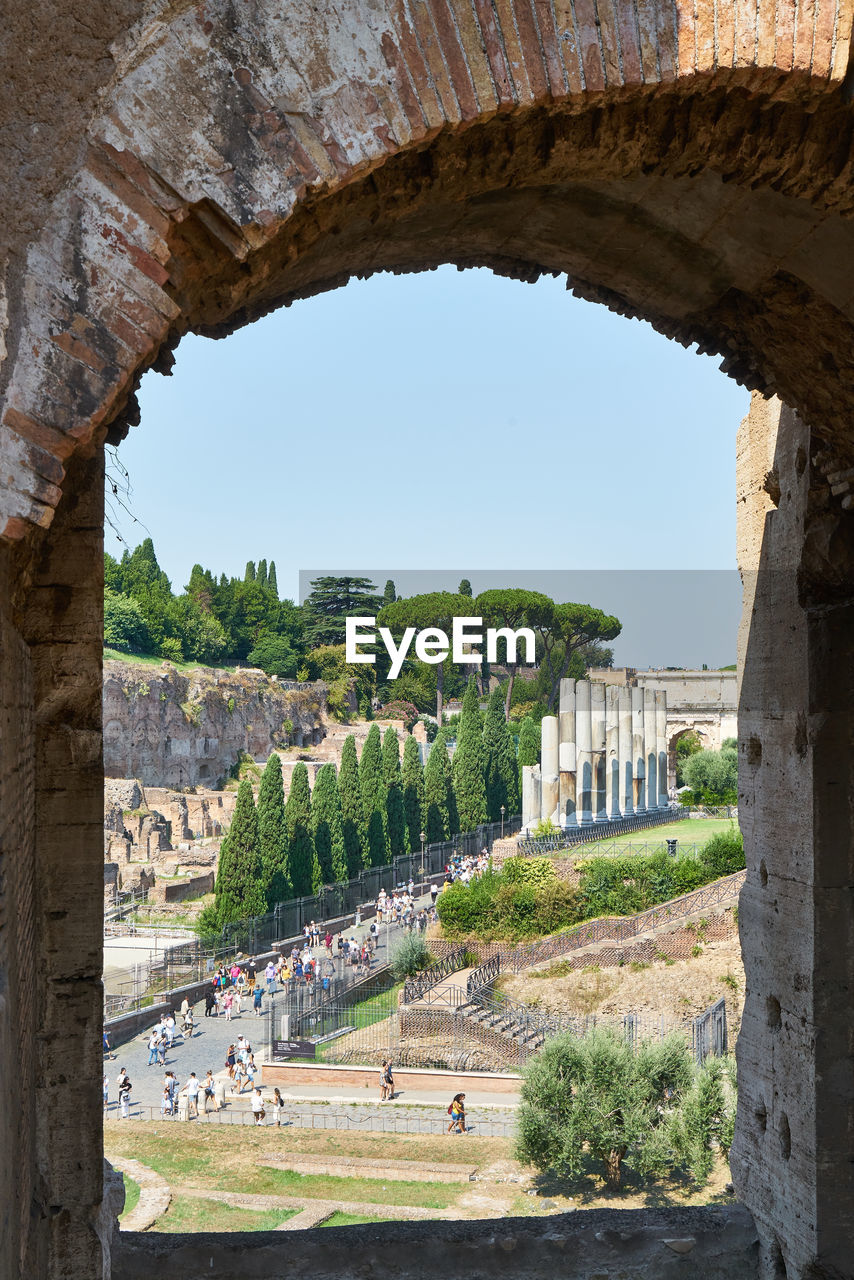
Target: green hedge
505, 905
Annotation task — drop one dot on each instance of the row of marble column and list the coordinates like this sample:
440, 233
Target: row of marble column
603, 757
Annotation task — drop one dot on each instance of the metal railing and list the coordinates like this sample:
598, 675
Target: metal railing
484, 976
415, 988
394, 1118
533, 845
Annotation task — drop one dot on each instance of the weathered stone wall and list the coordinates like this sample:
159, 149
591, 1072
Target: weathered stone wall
641, 1244
175, 730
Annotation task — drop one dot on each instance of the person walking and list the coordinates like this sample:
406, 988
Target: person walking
257, 997
209, 1092
210, 1001
258, 1107
230, 1060
278, 1108
270, 975
389, 1081
108, 1052
383, 1081
153, 1042
228, 1003
124, 1086
192, 1088
457, 1112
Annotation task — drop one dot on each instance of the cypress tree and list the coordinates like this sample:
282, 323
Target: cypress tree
373, 799
500, 770
464, 589
273, 836
395, 817
352, 814
437, 788
261, 575
390, 592
327, 826
413, 793
249, 575
272, 584
529, 745
468, 762
239, 891
302, 858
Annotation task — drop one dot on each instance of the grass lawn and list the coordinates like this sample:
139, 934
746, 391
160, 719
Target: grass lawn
131, 1195
188, 1214
690, 831
149, 660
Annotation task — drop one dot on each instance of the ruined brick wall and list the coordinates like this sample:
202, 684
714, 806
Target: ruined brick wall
169, 729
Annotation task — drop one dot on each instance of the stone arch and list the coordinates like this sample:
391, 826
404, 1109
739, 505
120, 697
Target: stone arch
705, 730
678, 163
689, 164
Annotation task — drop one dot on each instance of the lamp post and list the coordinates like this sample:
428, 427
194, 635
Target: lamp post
502, 822
423, 838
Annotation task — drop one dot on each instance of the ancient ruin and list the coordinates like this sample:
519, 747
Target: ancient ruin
603, 757
173, 167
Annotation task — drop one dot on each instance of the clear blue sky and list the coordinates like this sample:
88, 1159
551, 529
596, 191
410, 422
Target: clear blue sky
437, 421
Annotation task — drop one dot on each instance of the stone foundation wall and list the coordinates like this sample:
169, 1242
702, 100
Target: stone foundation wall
180, 891
174, 730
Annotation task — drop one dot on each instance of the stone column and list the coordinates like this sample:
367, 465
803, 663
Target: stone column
550, 794
530, 795
661, 746
583, 753
597, 742
612, 750
566, 754
793, 1155
638, 752
649, 749
627, 772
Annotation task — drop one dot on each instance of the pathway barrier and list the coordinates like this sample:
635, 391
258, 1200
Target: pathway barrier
532, 846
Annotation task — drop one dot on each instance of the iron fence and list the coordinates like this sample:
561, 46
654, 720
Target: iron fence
570, 836
449, 1030
394, 1118
484, 976
632, 848
415, 987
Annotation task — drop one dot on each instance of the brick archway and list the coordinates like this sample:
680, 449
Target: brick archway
689, 164
683, 163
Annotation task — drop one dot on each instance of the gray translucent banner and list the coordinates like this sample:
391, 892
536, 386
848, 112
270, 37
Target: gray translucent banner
671, 618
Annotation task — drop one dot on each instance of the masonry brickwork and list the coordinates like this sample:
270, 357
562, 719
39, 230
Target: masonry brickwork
175, 167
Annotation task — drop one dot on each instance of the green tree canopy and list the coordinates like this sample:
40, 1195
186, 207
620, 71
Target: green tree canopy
713, 774
439, 804
273, 835
395, 816
529, 745
302, 859
125, 627
373, 799
327, 825
352, 813
465, 588
413, 793
593, 1094
239, 883
390, 592
272, 583
275, 655
501, 772
332, 600
514, 607
468, 763
433, 609
571, 629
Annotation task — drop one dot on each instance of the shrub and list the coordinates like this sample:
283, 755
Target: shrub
412, 955
536, 871
171, 650
723, 854
545, 830
399, 709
